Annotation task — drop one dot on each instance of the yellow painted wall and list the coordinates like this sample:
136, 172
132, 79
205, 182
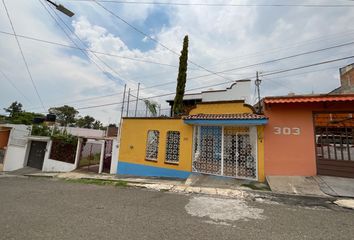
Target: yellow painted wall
260, 149
134, 136
221, 108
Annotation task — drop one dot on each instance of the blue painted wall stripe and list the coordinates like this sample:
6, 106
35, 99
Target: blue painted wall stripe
149, 171
226, 122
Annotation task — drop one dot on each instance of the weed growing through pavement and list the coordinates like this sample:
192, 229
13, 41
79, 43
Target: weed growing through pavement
118, 183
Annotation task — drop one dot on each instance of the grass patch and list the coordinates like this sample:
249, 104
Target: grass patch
118, 183
256, 187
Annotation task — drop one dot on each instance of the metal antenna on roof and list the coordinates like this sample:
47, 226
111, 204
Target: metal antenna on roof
137, 100
258, 83
128, 103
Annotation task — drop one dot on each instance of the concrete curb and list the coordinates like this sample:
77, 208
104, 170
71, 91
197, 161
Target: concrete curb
165, 185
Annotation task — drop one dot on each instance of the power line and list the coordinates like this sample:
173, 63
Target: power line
270, 61
286, 47
288, 57
168, 94
309, 65
92, 51
219, 4
84, 50
301, 73
154, 40
14, 86
223, 71
157, 96
23, 56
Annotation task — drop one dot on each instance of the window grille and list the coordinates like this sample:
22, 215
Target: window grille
172, 146
152, 145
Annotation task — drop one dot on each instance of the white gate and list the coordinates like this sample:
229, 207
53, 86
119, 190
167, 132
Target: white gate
225, 151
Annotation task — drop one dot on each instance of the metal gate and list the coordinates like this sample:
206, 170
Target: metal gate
36, 154
225, 151
334, 144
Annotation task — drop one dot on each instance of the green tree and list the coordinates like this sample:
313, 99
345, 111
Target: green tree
85, 122
14, 108
151, 106
24, 118
181, 79
65, 114
97, 125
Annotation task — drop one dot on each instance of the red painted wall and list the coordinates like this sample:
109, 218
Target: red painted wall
293, 154
4, 137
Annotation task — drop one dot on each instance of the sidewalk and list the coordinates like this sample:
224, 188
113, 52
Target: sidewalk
296, 185
158, 184
300, 189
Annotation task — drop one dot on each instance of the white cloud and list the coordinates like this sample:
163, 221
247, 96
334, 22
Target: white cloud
220, 38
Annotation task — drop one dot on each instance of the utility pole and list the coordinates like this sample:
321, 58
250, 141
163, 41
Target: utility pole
122, 109
121, 113
258, 83
128, 103
137, 99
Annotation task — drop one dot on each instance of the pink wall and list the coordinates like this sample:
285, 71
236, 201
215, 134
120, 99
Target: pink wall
292, 152
289, 152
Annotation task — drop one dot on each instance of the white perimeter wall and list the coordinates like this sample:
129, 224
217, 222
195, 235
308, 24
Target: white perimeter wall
51, 165
84, 132
114, 160
14, 158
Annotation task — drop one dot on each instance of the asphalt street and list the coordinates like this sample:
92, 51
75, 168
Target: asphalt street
38, 208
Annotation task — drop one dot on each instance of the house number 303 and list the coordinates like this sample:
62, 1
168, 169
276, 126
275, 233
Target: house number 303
287, 131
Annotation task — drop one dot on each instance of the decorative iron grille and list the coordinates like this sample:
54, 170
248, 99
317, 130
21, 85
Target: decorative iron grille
152, 145
246, 162
172, 146
237, 158
207, 155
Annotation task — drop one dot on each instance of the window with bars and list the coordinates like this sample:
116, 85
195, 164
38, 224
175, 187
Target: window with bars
152, 145
172, 147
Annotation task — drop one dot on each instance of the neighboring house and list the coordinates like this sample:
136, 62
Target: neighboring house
4, 138
346, 80
240, 90
14, 144
48, 155
223, 138
309, 135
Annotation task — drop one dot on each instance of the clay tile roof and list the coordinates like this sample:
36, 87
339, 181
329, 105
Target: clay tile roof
238, 116
309, 99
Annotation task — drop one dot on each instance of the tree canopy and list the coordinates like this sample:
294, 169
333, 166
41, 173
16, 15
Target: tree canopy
14, 108
65, 114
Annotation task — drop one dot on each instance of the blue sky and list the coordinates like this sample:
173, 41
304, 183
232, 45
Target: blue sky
220, 38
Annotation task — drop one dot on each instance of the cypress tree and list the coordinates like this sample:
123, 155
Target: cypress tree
181, 79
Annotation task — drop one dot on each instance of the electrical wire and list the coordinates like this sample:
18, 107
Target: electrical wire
156, 41
156, 96
84, 51
14, 86
92, 51
287, 57
23, 56
206, 75
273, 73
219, 4
307, 66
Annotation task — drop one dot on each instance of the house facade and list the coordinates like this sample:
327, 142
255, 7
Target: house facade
309, 135
223, 138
